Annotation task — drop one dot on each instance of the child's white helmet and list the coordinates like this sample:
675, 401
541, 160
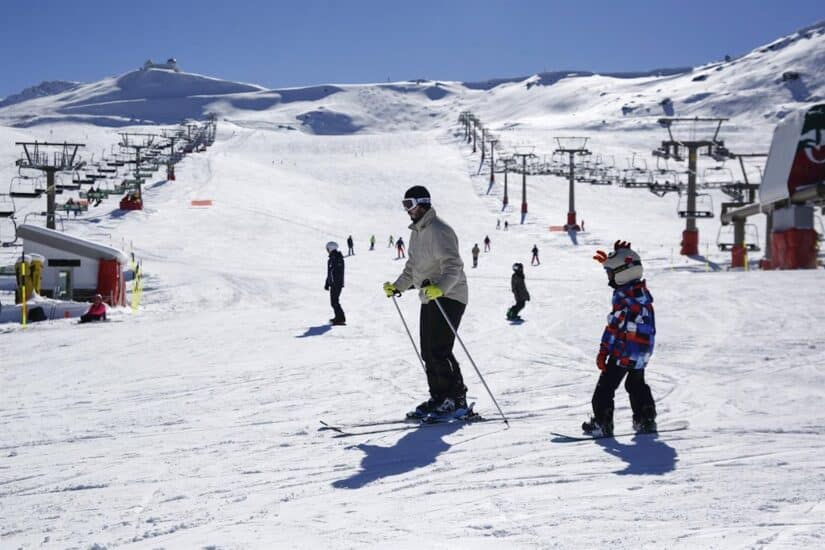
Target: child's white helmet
623, 265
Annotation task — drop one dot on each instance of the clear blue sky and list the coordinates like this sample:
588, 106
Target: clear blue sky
305, 42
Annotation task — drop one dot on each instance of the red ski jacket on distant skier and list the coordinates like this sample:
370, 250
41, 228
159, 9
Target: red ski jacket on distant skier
630, 333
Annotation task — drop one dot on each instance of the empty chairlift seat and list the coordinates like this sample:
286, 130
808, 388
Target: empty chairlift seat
703, 208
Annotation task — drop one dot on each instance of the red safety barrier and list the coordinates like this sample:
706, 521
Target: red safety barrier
110, 283
794, 249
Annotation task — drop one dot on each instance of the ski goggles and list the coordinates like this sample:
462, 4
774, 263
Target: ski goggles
409, 204
623, 267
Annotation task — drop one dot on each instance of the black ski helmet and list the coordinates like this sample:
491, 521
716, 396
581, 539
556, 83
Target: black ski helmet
518, 267
417, 192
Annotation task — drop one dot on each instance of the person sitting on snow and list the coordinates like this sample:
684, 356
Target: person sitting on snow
96, 312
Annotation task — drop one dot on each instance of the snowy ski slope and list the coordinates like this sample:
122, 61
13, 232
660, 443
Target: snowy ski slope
195, 422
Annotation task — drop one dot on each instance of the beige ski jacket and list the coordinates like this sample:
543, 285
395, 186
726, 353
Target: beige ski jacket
433, 254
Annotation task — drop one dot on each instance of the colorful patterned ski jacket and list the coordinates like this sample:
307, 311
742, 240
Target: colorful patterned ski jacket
630, 334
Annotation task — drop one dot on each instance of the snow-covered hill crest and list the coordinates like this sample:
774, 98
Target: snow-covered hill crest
765, 83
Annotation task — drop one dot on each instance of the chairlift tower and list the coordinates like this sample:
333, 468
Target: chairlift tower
740, 245
505, 199
524, 152
672, 148
572, 146
63, 159
493, 161
483, 144
170, 165
137, 142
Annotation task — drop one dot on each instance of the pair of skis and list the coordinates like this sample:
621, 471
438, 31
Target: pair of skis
382, 426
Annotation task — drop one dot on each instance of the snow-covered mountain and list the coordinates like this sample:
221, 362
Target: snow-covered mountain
45, 88
761, 85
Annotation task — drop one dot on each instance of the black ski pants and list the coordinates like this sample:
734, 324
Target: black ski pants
641, 400
514, 310
334, 295
437, 339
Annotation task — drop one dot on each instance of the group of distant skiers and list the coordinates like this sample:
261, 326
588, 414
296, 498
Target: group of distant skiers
435, 268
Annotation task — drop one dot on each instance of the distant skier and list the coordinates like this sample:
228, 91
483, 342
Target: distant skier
519, 291
350, 247
498, 223
627, 344
96, 312
335, 282
535, 259
372, 242
506, 225
435, 267
476, 250
399, 248
391, 242
486, 243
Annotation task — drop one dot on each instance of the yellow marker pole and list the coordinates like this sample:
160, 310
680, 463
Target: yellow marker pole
137, 289
707, 257
25, 309
746, 259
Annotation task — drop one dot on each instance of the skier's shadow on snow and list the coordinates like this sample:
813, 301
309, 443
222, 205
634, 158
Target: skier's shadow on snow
315, 331
647, 455
417, 449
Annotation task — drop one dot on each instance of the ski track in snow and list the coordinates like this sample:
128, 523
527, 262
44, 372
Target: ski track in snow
195, 422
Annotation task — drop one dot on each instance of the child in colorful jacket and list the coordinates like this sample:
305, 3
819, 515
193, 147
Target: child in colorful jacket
627, 344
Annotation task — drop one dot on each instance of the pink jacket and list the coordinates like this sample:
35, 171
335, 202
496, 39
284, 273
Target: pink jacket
97, 309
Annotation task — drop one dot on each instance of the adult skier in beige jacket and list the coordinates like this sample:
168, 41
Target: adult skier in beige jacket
434, 266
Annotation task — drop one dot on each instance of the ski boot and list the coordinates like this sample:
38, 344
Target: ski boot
595, 428
422, 410
644, 425
450, 408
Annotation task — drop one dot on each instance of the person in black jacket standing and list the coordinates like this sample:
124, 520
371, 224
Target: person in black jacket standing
519, 291
335, 282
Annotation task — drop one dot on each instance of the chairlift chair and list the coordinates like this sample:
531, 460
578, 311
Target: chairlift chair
666, 181
638, 163
24, 188
704, 206
58, 217
11, 238
725, 240
607, 176
715, 177
6, 206
636, 178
